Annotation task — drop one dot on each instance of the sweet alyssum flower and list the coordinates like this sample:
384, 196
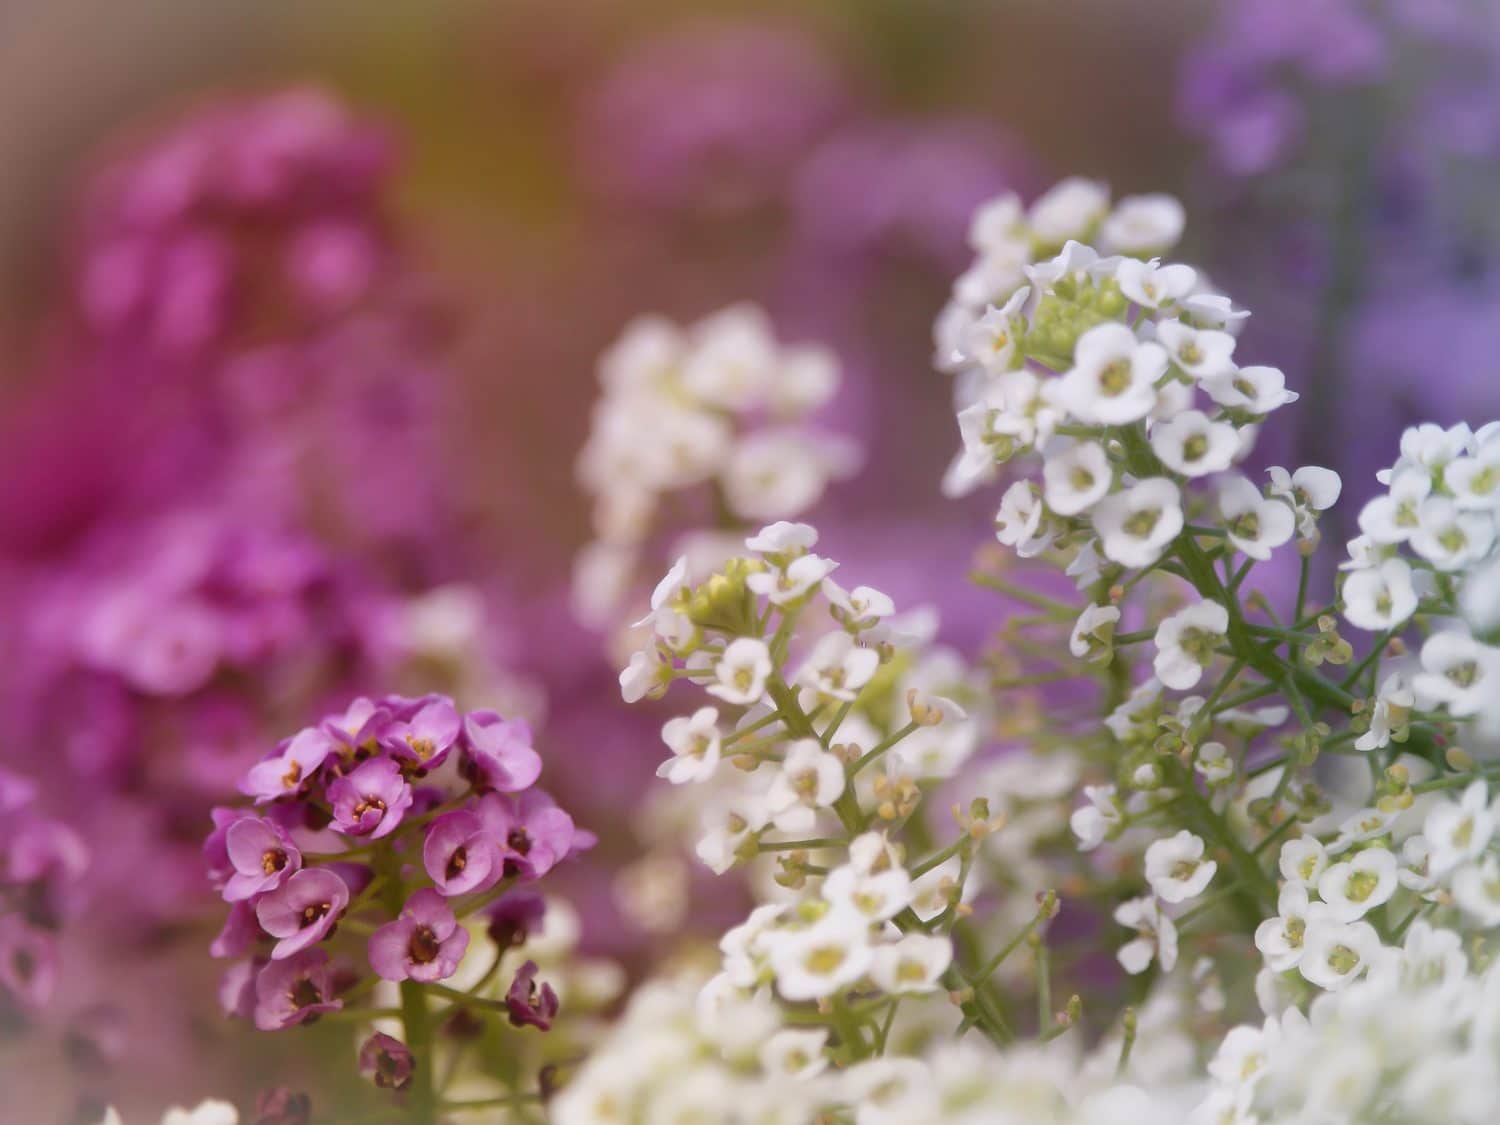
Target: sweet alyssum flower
1176, 869
424, 943
1187, 642
332, 866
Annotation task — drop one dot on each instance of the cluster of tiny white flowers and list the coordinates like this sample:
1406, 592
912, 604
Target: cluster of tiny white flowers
1007, 236
1429, 546
1097, 366
714, 416
805, 717
683, 1052
1415, 1040
1216, 790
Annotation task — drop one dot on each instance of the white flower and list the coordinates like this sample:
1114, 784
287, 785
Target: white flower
735, 1020
1202, 353
1136, 524
1280, 939
1176, 869
1256, 525
1158, 936
991, 341
1380, 597
837, 668
1069, 209
1186, 643
1361, 827
1449, 537
741, 671
809, 778
1151, 285
1241, 1057
1020, 522
1076, 478
1213, 763
1141, 224
796, 1053
783, 539
730, 359
876, 895
728, 824
1214, 310
1475, 481
1458, 673
1093, 633
890, 1091
642, 675
1303, 860
1354, 887
1309, 490
1476, 889
786, 584
861, 606
1086, 567
822, 959
1255, 390
1389, 716
999, 223
672, 583
1480, 596
933, 891
913, 963
805, 379
1457, 832
695, 743
744, 954
776, 474
1429, 447
1392, 518
1113, 379
1136, 716
211, 1112
1193, 445
1102, 816
1334, 954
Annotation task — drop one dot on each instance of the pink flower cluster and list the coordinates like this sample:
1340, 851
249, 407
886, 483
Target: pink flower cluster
405, 813
41, 861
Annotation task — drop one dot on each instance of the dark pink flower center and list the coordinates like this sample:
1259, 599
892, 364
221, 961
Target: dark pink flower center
304, 993
272, 860
424, 945
456, 863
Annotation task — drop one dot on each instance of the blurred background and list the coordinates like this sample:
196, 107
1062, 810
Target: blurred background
299, 313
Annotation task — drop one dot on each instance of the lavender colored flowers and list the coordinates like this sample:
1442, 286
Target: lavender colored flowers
405, 819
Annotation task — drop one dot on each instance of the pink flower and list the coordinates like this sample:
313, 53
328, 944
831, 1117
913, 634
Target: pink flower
424, 943
303, 910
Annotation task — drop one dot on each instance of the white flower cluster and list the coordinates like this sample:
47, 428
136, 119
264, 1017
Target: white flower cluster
1121, 376
1417, 1041
715, 414
679, 1055
801, 733
210, 1112
1007, 236
1429, 544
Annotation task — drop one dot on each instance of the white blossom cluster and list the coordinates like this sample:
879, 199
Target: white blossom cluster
815, 684
1268, 813
1429, 545
681, 1054
1415, 1040
699, 429
1434, 855
1007, 236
